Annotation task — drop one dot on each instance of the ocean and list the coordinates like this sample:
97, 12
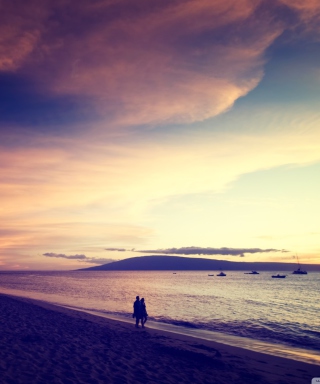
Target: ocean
254, 311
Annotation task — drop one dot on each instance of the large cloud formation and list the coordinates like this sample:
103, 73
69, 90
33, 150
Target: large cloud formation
209, 251
143, 62
201, 251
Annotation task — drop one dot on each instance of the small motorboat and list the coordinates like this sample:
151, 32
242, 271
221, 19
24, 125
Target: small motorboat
278, 276
221, 274
252, 273
210, 275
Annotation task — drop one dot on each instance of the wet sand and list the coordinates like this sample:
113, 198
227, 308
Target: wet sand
43, 343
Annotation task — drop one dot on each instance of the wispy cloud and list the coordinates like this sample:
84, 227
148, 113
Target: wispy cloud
308, 13
21, 29
61, 255
116, 249
81, 258
100, 260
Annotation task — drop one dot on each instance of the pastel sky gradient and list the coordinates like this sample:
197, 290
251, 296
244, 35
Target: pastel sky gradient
134, 125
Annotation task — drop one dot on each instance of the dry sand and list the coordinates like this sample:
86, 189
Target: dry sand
43, 343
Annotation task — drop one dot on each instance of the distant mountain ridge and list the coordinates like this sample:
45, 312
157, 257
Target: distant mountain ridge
178, 263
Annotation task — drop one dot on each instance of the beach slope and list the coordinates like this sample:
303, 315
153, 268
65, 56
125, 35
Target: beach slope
43, 343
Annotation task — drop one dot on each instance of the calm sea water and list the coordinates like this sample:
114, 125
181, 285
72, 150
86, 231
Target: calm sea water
282, 311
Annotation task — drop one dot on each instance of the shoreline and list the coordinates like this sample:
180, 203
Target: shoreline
288, 352
279, 350
56, 344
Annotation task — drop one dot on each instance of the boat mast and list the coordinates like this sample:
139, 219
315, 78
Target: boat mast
298, 261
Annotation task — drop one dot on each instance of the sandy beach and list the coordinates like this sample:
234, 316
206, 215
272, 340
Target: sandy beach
43, 343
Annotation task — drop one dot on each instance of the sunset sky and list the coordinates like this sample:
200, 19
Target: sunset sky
134, 127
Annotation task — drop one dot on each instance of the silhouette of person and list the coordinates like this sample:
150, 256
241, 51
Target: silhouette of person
144, 314
137, 311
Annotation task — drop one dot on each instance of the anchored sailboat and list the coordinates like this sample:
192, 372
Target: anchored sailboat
299, 271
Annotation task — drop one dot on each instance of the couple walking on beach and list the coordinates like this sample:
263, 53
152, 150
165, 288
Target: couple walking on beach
140, 312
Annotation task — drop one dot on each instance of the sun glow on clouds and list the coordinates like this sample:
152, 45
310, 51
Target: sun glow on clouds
100, 199
137, 70
154, 63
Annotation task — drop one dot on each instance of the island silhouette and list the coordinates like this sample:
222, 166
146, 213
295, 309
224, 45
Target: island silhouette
179, 263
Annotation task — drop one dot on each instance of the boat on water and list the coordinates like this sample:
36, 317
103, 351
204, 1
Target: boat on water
221, 274
210, 275
299, 271
252, 273
278, 276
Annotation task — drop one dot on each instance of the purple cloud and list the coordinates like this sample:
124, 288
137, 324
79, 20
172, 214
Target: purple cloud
209, 251
81, 258
116, 249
